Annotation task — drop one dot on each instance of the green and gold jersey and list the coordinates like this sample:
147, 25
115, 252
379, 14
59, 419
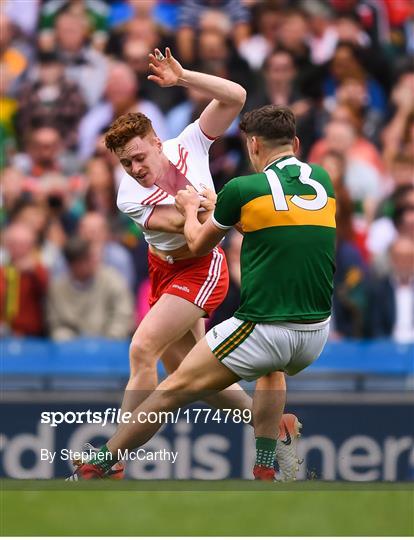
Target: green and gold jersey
288, 253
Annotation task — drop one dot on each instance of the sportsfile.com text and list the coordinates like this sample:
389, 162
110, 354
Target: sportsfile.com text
112, 415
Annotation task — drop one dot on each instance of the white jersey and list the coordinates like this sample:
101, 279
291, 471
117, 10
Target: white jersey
188, 153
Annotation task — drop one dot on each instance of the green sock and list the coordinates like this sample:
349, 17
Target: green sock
265, 451
104, 459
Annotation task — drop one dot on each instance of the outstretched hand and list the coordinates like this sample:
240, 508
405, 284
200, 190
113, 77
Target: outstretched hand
165, 70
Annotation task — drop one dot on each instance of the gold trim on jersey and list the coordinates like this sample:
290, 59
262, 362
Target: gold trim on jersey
260, 213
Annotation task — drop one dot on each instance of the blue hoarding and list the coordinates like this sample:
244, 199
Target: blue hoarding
341, 441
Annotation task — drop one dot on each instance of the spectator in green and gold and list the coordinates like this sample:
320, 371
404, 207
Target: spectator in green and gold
95, 11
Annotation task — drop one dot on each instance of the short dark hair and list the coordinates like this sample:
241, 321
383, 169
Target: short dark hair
275, 124
76, 249
125, 128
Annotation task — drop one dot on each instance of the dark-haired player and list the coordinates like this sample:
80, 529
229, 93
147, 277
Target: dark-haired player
184, 287
287, 213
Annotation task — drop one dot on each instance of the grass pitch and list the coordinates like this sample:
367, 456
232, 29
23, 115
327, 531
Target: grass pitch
222, 508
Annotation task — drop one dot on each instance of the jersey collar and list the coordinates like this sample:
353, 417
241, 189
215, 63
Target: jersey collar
277, 161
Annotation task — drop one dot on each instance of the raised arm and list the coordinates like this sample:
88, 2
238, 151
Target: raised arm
227, 97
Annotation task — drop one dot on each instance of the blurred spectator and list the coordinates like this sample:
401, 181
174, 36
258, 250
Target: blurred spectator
227, 160
217, 56
48, 169
95, 12
50, 98
23, 284
139, 27
335, 163
384, 230
230, 15
323, 36
49, 232
361, 179
401, 171
94, 228
352, 93
124, 10
391, 297
41, 148
398, 135
376, 58
15, 53
100, 195
90, 300
399, 12
280, 79
281, 88
11, 184
110, 158
293, 37
372, 16
135, 52
44, 152
346, 64
83, 65
404, 221
121, 97
349, 281
293, 34
8, 109
25, 19
362, 147
255, 49
349, 29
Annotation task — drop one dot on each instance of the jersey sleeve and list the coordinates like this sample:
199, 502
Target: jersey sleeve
228, 206
195, 140
137, 212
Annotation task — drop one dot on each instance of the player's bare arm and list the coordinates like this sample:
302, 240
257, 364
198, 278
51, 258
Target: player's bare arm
201, 238
227, 97
167, 218
208, 201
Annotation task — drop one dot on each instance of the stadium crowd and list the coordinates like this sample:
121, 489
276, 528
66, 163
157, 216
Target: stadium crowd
73, 265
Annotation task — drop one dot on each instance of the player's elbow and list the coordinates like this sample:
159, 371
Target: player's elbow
240, 96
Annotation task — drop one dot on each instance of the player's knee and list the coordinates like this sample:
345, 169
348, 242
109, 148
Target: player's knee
142, 354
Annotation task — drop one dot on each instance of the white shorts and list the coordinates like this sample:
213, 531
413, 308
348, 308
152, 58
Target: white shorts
254, 349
